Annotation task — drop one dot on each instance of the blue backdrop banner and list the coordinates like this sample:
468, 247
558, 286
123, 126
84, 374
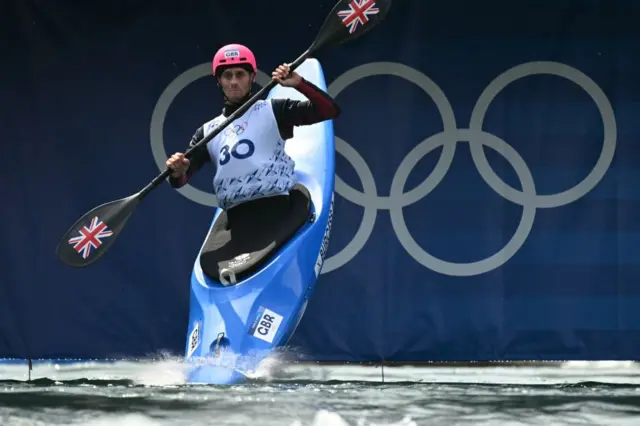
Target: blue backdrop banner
487, 198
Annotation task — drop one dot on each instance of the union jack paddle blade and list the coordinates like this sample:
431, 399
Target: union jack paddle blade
350, 19
92, 235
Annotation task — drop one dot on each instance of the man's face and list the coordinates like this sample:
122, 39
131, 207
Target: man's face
236, 83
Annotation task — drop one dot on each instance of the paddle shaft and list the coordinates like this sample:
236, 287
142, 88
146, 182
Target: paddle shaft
237, 113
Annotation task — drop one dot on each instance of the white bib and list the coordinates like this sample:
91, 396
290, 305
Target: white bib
249, 157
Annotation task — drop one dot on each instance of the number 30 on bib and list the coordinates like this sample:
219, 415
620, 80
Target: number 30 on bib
242, 149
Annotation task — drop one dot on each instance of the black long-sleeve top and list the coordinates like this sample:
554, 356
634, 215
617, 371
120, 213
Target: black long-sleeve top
288, 113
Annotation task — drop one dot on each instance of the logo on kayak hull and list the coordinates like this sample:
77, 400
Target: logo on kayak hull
325, 242
265, 325
194, 339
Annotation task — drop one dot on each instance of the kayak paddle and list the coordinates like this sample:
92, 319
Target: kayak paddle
92, 235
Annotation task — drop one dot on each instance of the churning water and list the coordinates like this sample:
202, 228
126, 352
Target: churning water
153, 393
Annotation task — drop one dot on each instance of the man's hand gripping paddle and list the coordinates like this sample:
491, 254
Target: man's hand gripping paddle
92, 235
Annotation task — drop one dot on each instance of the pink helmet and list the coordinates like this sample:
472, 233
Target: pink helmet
234, 55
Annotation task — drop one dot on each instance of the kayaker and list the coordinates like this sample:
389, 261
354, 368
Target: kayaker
249, 157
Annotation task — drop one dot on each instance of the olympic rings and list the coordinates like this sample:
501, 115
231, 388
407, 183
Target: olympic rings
448, 139
608, 121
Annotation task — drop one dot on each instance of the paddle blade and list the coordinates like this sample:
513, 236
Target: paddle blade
348, 20
92, 235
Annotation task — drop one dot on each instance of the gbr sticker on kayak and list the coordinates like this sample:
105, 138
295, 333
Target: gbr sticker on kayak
325, 242
266, 325
194, 339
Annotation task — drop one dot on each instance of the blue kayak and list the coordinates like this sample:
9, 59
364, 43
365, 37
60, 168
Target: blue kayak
250, 304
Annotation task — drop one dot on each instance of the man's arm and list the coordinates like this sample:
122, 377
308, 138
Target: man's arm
198, 158
319, 107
